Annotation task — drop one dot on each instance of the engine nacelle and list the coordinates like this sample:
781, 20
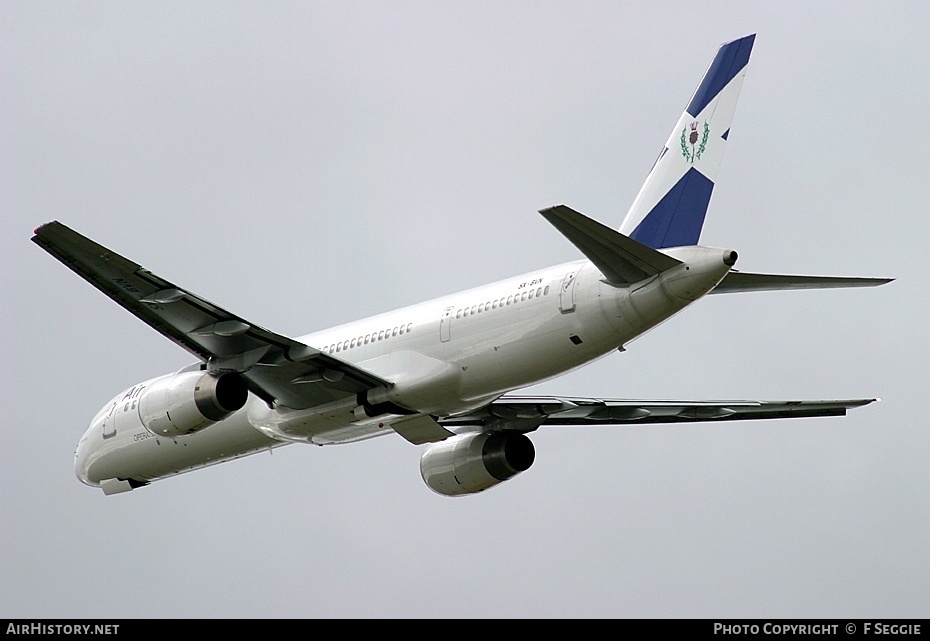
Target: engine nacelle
474, 462
190, 401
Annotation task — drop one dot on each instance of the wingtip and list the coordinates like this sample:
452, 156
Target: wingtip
38, 229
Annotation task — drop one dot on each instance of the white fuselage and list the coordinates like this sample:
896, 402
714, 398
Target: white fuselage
445, 356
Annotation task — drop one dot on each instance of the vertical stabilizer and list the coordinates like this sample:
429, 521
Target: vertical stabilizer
670, 208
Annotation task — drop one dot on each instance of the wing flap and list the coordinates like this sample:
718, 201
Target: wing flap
278, 369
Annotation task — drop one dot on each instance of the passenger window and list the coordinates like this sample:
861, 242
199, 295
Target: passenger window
509, 299
409, 326
401, 329
539, 292
546, 291
394, 332
523, 297
531, 293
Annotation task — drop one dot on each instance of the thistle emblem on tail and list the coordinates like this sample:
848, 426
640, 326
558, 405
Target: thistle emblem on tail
689, 140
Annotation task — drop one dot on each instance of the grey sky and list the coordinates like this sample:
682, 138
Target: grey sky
306, 164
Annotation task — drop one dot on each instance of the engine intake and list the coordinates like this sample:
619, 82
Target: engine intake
190, 401
474, 462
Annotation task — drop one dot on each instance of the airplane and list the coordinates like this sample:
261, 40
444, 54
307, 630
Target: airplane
443, 373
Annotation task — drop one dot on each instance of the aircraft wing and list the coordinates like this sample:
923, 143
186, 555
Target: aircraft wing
277, 368
526, 413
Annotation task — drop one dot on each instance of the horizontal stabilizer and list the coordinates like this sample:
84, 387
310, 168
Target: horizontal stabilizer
747, 282
620, 258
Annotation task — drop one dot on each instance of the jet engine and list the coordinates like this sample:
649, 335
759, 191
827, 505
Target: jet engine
471, 463
190, 401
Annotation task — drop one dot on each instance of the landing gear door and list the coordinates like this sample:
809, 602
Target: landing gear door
567, 293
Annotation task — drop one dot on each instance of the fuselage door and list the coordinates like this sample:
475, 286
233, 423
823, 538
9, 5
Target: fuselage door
109, 422
127, 413
445, 325
567, 293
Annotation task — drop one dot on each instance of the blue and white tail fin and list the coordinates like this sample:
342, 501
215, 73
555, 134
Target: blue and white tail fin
670, 208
